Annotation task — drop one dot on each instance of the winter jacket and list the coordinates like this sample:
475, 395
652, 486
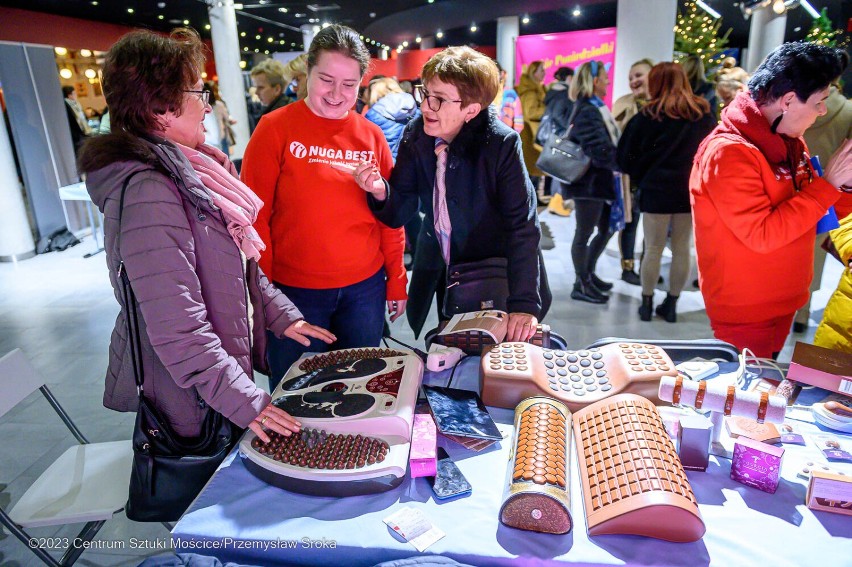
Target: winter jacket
754, 224
391, 113
190, 285
657, 154
591, 133
531, 94
828, 133
558, 106
835, 330
491, 203
280, 101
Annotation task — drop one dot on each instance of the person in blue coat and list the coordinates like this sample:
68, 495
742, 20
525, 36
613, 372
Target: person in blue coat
391, 109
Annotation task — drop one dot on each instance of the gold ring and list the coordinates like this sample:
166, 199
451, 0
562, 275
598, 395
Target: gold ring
262, 421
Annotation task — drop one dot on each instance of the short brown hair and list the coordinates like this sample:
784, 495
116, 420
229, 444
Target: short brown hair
341, 39
671, 94
475, 75
146, 74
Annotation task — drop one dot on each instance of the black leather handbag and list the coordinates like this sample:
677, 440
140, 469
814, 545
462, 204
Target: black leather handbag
476, 286
563, 159
168, 471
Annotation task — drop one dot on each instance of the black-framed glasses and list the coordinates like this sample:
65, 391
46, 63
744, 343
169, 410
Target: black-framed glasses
203, 95
434, 102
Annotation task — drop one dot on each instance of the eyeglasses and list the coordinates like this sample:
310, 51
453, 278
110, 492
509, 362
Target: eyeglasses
203, 95
433, 102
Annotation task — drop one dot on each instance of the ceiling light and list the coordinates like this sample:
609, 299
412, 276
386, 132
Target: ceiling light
242, 34
266, 51
94, 3
186, 22
160, 17
372, 14
203, 74
242, 64
708, 9
60, 51
418, 39
440, 34
238, 6
431, 1
778, 7
245, 48
130, 10
283, 10
325, 25
207, 26
405, 44
810, 9
473, 27
65, 73
269, 39
525, 19
257, 36
161, 5
85, 53
90, 73
293, 44
577, 12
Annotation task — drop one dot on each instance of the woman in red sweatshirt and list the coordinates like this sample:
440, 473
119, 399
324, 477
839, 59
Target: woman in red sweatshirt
324, 246
756, 199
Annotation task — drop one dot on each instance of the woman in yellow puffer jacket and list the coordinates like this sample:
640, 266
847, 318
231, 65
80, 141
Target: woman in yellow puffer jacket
835, 331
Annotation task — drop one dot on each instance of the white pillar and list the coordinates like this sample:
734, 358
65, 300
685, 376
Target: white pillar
507, 32
765, 33
308, 33
226, 52
16, 237
643, 30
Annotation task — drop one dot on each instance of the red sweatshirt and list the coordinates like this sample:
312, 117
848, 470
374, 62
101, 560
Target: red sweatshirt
754, 232
315, 221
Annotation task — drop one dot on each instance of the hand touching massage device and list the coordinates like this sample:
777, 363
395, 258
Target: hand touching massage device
356, 408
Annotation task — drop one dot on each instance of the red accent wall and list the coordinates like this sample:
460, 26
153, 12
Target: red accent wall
407, 65
25, 26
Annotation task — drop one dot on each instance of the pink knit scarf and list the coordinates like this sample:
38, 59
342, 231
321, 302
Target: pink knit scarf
238, 203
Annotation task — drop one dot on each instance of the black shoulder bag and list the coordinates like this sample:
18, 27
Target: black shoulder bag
168, 470
563, 159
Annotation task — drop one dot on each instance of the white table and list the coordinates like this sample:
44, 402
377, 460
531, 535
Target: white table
78, 192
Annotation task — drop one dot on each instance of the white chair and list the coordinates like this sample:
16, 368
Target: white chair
88, 483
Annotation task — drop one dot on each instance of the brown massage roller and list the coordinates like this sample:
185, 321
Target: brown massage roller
537, 497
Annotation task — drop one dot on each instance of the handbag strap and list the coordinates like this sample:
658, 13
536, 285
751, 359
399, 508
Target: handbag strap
129, 298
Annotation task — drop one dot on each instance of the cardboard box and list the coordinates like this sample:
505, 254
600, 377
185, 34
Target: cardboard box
757, 464
830, 492
422, 459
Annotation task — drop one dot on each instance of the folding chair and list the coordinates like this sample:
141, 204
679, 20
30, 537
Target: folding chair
88, 483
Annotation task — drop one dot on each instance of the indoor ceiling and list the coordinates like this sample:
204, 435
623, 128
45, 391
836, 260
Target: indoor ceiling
271, 25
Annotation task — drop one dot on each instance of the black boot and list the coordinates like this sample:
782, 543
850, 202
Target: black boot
627, 273
584, 290
667, 310
647, 307
599, 283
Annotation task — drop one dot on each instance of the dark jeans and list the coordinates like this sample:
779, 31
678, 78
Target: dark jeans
355, 314
627, 238
590, 213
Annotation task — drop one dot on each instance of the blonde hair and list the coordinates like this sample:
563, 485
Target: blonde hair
583, 83
296, 67
273, 71
379, 88
474, 75
532, 68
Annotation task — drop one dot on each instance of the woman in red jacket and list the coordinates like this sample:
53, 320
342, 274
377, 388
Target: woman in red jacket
756, 199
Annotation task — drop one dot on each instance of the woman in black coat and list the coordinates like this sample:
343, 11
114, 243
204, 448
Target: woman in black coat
656, 149
593, 127
487, 195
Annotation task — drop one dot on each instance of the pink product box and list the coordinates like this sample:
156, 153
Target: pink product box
422, 459
757, 464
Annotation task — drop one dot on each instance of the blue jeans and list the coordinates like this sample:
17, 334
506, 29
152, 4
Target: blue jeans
355, 314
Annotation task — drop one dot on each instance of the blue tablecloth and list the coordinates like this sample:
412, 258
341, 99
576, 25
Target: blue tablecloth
240, 518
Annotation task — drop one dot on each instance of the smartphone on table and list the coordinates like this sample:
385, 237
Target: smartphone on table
449, 480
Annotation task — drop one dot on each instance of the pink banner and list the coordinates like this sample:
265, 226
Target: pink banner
569, 49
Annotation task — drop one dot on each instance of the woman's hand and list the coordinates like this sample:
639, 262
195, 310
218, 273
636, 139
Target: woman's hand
522, 327
276, 420
301, 330
396, 308
369, 179
838, 172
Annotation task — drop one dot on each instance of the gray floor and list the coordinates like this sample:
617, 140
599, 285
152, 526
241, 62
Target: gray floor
59, 308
